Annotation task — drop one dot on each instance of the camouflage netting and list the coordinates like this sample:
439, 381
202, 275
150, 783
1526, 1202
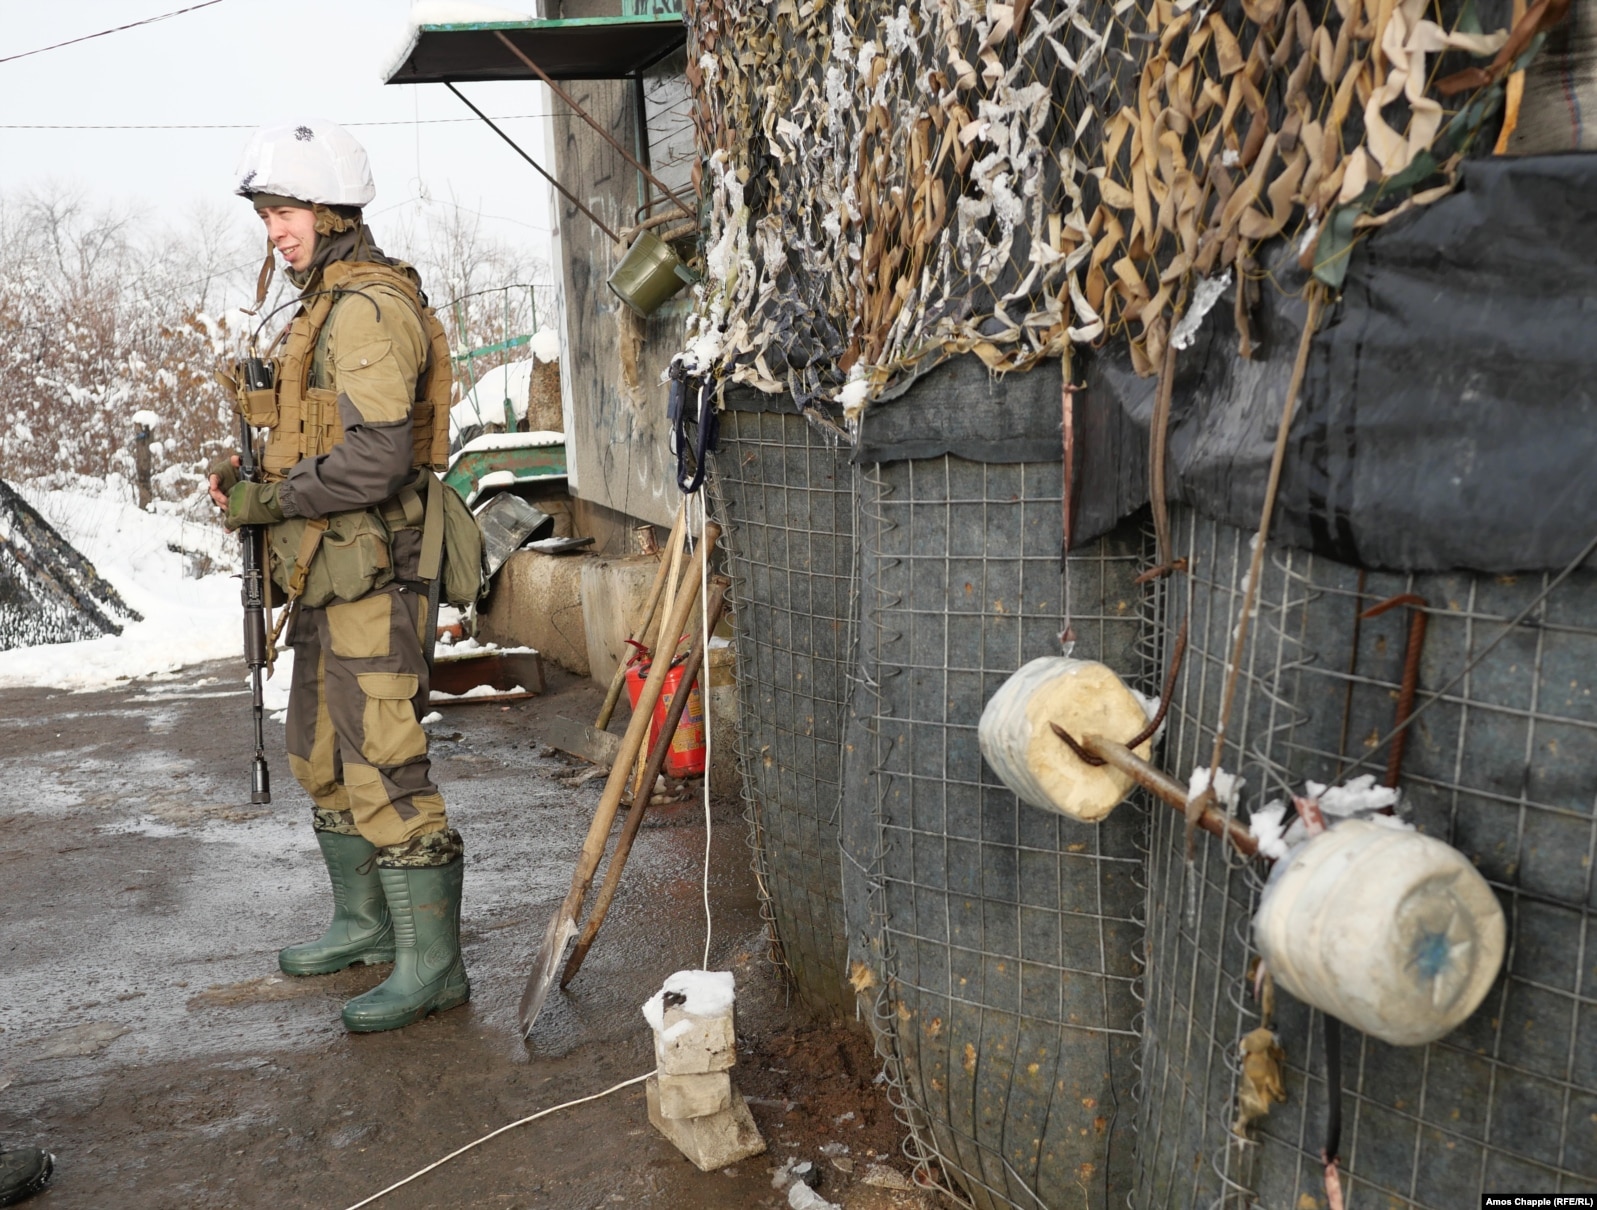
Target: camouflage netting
49, 593
888, 186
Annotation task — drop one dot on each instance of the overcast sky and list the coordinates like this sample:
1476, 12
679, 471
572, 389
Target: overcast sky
244, 63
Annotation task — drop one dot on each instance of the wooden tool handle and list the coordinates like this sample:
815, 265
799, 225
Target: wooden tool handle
651, 609
637, 730
640, 802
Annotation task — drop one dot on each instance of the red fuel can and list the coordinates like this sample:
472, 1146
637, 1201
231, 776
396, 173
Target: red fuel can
685, 758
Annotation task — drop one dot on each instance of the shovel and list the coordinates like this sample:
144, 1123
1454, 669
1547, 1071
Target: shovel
564, 924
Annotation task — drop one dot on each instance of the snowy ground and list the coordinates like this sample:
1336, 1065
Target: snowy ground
151, 559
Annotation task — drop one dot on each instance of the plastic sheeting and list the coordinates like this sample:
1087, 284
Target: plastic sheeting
1447, 416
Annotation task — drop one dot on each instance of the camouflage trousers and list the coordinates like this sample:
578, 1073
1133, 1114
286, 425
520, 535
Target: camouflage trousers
355, 740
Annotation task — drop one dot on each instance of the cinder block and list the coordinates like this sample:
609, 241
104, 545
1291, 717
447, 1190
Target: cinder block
688, 1045
695, 1096
710, 1142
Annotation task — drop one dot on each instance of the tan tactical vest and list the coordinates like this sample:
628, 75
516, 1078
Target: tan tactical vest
307, 421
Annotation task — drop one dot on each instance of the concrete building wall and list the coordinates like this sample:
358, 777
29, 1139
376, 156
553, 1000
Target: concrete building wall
610, 370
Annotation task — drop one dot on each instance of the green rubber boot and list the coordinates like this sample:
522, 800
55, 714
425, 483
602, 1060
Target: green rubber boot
361, 930
429, 973
23, 1172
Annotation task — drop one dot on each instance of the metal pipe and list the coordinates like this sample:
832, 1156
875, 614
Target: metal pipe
564, 192
1162, 785
603, 133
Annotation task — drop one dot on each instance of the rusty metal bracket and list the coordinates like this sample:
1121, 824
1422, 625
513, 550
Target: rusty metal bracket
1412, 653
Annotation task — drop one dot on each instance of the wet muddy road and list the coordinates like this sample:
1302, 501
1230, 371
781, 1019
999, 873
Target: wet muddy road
147, 1038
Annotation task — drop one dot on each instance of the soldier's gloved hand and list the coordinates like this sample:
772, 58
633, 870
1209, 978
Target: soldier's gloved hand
222, 474
253, 504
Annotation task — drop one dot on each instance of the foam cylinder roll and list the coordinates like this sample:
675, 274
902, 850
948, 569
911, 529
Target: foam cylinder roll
1085, 698
1393, 932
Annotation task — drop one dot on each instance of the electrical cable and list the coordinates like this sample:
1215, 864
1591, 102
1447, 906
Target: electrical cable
477, 1142
117, 30
704, 704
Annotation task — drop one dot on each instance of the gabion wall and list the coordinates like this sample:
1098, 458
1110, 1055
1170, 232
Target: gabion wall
1001, 941
1501, 769
784, 494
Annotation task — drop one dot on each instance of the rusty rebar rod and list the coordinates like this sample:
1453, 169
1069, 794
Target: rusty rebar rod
1418, 621
1160, 783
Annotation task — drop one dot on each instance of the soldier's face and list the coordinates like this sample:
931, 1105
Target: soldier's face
292, 231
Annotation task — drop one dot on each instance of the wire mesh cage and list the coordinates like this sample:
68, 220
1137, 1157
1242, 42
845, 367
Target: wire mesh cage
1007, 937
1499, 767
784, 491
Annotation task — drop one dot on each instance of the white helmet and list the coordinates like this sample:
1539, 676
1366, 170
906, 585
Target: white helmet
308, 159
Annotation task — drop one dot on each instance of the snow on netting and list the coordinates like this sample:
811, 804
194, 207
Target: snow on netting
1002, 942
1500, 768
49, 593
784, 493
889, 184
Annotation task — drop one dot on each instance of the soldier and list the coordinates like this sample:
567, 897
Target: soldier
346, 500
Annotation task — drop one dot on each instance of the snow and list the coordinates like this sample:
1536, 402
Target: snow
491, 479
512, 441
709, 994
545, 345
468, 648
1227, 786
1277, 838
145, 419
1361, 796
475, 691
186, 621
853, 397
430, 718
1278, 829
484, 403
1208, 293
442, 12
1150, 707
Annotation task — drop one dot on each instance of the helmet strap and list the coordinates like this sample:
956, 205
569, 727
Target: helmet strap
263, 280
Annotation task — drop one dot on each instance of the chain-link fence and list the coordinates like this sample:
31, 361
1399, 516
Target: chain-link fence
1006, 942
784, 493
1499, 767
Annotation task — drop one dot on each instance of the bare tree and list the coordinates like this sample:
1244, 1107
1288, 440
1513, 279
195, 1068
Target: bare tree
96, 325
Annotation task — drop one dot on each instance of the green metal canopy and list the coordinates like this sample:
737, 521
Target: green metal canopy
579, 48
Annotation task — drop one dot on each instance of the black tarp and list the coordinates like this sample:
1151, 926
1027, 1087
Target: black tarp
1448, 417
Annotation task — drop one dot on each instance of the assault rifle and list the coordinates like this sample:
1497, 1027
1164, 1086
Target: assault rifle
255, 374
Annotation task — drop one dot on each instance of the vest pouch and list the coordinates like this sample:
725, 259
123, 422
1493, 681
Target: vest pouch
283, 441
465, 573
259, 408
352, 559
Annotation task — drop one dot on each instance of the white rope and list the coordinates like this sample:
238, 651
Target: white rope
704, 702
522, 1122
